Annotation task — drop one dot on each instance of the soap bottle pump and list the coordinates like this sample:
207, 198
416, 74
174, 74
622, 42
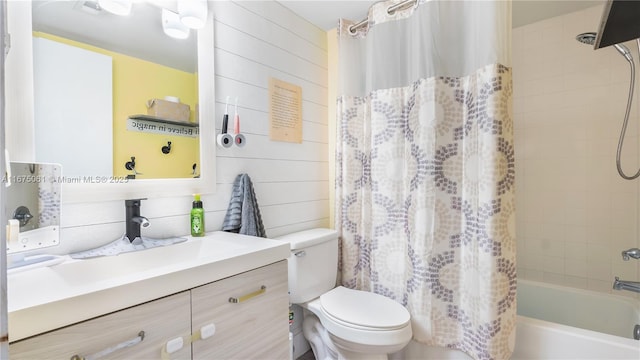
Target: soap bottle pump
197, 217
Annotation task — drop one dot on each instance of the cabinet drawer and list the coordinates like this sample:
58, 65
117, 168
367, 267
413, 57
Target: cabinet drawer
254, 327
161, 320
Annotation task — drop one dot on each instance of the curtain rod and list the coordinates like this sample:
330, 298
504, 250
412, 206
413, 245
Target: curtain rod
390, 10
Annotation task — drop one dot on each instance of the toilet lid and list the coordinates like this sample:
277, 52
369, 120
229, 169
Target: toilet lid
362, 308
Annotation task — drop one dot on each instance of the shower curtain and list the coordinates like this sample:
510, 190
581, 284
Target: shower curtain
425, 169
48, 194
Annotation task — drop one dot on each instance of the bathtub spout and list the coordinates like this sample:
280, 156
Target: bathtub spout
626, 285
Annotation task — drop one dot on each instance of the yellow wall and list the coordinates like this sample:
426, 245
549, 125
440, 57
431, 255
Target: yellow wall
134, 82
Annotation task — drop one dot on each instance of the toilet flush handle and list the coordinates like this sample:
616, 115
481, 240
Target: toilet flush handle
300, 253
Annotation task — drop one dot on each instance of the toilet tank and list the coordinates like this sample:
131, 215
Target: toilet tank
313, 263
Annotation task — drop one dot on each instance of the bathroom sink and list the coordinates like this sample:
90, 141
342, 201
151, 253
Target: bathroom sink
76, 290
163, 259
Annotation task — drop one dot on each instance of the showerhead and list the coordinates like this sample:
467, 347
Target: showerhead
624, 51
589, 38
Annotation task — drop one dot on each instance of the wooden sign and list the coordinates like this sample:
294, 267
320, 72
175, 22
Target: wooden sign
285, 111
153, 127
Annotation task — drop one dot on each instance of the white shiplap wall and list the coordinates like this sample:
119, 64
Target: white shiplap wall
253, 42
256, 41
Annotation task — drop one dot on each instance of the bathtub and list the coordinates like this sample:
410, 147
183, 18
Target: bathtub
605, 313
602, 331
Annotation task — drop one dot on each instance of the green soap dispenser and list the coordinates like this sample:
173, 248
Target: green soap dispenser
197, 217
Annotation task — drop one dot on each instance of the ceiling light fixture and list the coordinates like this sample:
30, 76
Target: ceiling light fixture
118, 7
172, 25
193, 13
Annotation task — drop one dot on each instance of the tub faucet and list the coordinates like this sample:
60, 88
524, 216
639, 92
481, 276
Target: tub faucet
631, 253
133, 219
626, 285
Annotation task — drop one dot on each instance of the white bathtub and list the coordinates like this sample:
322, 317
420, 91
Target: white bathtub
546, 338
605, 313
538, 339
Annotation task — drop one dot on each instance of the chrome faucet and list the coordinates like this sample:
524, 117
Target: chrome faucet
626, 285
133, 219
631, 253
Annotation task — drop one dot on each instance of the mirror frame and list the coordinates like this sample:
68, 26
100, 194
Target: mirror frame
150, 188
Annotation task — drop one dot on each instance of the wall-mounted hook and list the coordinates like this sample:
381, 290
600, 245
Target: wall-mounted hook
23, 215
131, 165
167, 148
193, 172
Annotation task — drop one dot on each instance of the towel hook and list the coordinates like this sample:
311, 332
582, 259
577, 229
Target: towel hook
194, 172
131, 165
167, 148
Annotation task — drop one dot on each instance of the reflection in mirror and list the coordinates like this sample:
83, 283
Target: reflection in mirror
94, 188
109, 88
32, 206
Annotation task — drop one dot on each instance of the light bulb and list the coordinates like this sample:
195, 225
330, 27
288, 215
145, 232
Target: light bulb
172, 25
118, 7
193, 13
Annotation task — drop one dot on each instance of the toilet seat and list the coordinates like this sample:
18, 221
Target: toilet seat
363, 310
363, 322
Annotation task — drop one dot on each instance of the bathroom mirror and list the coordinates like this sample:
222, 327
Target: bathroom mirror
32, 206
97, 184
94, 72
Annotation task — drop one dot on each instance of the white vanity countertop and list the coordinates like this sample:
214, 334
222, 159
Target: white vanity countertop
48, 298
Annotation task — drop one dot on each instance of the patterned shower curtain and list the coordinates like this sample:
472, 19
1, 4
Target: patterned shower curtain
425, 169
49, 194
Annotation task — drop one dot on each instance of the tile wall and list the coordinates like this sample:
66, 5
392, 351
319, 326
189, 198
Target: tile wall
575, 214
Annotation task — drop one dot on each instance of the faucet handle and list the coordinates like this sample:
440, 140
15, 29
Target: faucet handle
631, 253
616, 284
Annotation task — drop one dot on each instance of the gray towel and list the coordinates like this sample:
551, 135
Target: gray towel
243, 214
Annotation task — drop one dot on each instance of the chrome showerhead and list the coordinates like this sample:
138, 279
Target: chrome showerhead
624, 51
589, 38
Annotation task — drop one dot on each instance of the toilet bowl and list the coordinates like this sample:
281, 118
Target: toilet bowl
360, 323
340, 323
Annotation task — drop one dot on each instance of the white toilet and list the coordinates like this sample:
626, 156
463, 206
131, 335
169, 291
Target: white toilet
340, 323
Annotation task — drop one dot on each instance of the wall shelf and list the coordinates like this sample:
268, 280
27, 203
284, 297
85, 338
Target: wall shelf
162, 120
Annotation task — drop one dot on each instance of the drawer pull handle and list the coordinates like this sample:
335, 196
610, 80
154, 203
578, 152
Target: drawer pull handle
125, 344
263, 289
180, 343
207, 331
174, 345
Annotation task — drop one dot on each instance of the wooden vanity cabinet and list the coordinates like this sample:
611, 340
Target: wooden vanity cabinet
100, 338
241, 317
251, 322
